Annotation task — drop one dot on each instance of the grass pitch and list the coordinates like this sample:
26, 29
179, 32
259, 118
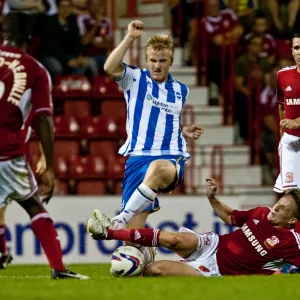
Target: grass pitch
34, 283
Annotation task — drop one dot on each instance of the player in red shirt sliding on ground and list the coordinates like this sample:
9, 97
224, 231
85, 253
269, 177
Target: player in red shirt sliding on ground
25, 98
267, 238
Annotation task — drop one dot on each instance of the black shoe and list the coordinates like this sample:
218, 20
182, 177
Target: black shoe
5, 259
68, 274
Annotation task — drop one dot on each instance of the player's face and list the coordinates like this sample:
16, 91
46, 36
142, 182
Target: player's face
159, 63
282, 213
296, 50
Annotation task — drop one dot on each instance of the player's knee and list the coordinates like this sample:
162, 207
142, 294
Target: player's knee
159, 170
155, 269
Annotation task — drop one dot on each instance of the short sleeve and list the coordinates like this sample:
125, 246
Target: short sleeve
240, 217
130, 74
41, 98
279, 91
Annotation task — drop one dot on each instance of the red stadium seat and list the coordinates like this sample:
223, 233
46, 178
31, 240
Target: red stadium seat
115, 166
61, 167
104, 86
61, 188
98, 127
114, 109
103, 148
71, 86
66, 148
96, 187
87, 167
77, 108
65, 126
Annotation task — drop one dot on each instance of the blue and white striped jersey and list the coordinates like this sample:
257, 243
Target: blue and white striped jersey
153, 114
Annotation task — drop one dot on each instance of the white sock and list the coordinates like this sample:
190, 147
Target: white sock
141, 198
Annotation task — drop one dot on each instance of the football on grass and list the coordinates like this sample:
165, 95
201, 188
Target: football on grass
127, 261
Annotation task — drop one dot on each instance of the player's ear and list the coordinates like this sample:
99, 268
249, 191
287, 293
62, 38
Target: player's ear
293, 221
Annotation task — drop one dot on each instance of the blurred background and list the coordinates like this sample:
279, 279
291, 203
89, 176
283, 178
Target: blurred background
227, 51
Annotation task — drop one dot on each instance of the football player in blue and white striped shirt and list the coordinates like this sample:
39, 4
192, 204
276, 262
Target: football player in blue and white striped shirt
156, 142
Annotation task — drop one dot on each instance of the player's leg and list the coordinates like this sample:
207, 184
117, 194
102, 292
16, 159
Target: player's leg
17, 182
133, 199
170, 268
162, 175
288, 153
5, 256
2, 231
182, 243
43, 228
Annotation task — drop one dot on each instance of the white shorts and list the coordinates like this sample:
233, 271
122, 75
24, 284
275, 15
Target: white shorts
203, 259
17, 181
289, 158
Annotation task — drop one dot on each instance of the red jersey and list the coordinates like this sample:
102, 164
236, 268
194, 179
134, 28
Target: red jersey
86, 24
257, 247
222, 24
288, 94
269, 44
25, 91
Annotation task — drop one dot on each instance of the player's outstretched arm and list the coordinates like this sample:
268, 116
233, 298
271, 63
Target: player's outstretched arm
113, 65
222, 210
43, 126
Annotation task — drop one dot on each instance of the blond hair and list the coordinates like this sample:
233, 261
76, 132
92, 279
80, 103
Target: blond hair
161, 42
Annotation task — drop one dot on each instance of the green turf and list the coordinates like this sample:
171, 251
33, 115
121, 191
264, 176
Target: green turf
34, 283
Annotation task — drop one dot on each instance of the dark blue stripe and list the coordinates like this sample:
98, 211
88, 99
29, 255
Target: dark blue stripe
168, 132
171, 94
155, 89
179, 136
152, 122
128, 96
138, 109
184, 92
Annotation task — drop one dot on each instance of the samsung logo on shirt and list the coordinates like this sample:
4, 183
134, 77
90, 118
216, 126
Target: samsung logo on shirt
254, 242
293, 101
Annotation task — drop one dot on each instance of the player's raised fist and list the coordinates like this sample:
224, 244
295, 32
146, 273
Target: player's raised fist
211, 187
135, 29
193, 131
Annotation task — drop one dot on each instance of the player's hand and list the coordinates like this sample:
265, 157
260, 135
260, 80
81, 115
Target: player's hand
47, 185
41, 165
212, 187
193, 131
135, 29
289, 124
